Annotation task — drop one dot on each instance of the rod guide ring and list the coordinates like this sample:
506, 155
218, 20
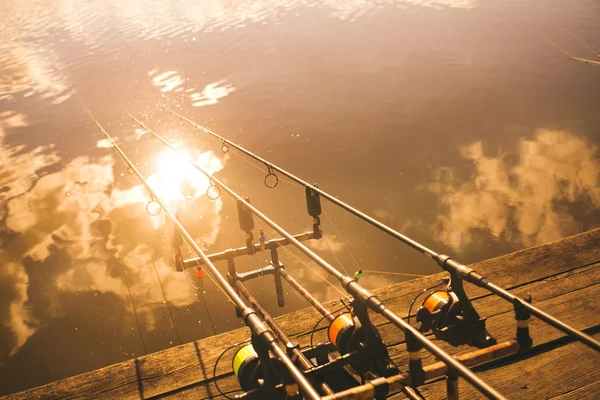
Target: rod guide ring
151, 207
213, 192
271, 180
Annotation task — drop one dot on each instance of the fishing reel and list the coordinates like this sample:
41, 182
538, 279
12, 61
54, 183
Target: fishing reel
449, 314
351, 335
344, 333
439, 313
254, 372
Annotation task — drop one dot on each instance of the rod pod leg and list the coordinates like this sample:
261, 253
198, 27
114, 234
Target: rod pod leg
523, 315
277, 277
415, 364
451, 384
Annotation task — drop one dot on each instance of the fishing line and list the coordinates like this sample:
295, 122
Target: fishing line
209, 275
199, 290
345, 295
189, 281
393, 273
262, 169
186, 275
210, 320
162, 289
569, 31
567, 202
333, 254
137, 321
548, 41
342, 239
588, 196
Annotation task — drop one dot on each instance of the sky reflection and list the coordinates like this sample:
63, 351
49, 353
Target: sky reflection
78, 212
442, 118
525, 202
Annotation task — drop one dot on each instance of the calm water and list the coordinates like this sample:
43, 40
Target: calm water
462, 123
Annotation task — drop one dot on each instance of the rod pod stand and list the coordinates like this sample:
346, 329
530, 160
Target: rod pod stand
277, 277
468, 327
233, 276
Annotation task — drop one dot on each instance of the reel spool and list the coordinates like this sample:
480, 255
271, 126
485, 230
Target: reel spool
247, 367
439, 312
344, 333
452, 318
347, 334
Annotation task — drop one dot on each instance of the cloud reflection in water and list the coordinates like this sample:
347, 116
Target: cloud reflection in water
102, 232
526, 202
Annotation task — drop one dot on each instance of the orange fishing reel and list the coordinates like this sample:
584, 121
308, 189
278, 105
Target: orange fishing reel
349, 335
439, 312
451, 317
344, 333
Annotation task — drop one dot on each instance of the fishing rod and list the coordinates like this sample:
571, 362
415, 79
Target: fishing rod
586, 61
363, 298
264, 337
448, 264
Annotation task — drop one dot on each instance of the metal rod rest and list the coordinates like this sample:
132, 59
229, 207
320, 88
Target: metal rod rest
356, 290
243, 251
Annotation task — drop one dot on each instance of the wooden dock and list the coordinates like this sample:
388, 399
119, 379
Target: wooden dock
563, 277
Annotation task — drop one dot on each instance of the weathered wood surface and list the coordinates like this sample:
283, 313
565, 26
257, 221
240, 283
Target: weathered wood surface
563, 277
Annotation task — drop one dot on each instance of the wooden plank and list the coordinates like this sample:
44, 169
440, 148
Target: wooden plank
586, 392
566, 369
503, 325
559, 274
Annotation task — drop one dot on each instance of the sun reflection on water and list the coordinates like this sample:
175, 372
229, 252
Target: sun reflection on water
176, 179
